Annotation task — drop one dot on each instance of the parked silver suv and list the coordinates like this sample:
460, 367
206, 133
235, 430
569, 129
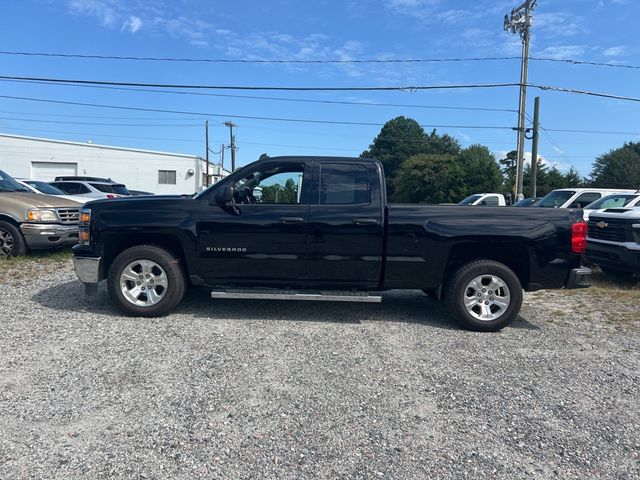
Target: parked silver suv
34, 221
91, 188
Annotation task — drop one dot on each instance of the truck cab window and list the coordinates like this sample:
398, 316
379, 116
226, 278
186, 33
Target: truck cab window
344, 184
273, 184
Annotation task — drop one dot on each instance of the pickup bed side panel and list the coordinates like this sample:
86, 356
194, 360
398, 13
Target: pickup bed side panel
424, 242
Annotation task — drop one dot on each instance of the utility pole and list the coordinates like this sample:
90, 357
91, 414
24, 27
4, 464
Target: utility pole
232, 144
222, 147
534, 147
520, 22
206, 150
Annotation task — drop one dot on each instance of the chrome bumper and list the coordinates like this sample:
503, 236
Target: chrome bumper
38, 235
87, 269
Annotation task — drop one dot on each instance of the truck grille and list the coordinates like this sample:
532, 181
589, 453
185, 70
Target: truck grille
613, 230
68, 216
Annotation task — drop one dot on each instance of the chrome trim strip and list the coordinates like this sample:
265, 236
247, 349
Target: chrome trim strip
290, 295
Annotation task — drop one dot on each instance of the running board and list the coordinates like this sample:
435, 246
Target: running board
326, 296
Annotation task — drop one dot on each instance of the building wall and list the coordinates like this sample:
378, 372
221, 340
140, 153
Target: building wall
138, 169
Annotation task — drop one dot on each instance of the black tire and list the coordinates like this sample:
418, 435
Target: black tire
459, 289
12, 242
174, 281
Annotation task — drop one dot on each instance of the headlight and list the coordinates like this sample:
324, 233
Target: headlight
40, 215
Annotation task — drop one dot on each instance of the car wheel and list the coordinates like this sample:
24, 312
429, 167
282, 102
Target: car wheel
12, 242
484, 295
146, 281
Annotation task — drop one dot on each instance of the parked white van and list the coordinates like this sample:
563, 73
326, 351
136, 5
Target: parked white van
576, 197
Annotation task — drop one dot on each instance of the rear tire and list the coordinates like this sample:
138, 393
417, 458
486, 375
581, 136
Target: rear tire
146, 281
12, 242
484, 295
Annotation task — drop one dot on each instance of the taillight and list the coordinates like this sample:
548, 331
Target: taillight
111, 196
579, 237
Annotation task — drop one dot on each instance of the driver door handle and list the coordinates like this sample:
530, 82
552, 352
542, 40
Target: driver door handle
365, 221
291, 220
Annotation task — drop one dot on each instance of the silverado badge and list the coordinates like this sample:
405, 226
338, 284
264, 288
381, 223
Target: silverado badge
602, 224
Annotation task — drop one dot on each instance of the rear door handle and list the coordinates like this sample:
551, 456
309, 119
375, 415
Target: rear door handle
291, 220
365, 221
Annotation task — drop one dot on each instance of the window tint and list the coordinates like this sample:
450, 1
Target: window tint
70, 188
611, 201
271, 184
344, 184
585, 199
492, 201
44, 187
556, 198
167, 177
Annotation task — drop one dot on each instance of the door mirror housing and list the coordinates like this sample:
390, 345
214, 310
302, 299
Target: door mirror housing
223, 195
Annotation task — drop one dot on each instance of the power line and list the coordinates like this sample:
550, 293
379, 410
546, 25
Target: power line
283, 99
310, 61
247, 117
102, 124
264, 88
413, 88
253, 61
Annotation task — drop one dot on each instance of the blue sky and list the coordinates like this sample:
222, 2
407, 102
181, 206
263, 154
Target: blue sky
593, 30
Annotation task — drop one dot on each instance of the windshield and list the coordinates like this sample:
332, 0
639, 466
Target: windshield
611, 201
8, 184
469, 200
111, 188
44, 187
556, 199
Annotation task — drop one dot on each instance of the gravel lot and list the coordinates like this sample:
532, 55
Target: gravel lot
254, 389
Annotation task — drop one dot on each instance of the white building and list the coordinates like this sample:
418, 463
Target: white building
146, 170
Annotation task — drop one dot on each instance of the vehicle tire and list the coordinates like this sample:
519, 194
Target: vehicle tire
615, 273
146, 281
484, 296
12, 242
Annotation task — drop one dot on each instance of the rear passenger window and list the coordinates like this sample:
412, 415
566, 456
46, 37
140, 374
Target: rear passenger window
585, 199
492, 201
344, 184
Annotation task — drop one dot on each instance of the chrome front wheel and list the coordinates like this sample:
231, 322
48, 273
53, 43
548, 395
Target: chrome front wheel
143, 283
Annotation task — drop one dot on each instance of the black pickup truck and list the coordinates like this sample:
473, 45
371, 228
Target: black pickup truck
320, 228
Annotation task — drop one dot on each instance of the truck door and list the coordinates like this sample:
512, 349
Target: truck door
262, 236
346, 224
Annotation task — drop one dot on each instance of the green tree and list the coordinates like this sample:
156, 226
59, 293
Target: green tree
509, 171
441, 144
399, 139
555, 179
619, 168
480, 171
573, 178
429, 178
277, 193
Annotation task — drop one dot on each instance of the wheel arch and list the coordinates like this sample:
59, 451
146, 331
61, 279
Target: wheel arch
117, 244
513, 255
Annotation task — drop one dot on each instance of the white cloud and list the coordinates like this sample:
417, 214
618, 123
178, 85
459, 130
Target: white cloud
133, 24
562, 52
616, 51
558, 24
103, 10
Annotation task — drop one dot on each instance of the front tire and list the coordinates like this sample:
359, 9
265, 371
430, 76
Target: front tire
12, 242
484, 295
146, 281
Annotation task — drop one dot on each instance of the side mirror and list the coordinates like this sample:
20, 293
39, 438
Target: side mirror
223, 195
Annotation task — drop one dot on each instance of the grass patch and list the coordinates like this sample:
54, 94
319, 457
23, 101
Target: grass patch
16, 269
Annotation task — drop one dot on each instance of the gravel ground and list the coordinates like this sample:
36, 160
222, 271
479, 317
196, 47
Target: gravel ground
269, 389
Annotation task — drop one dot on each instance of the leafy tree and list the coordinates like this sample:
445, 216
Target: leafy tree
399, 139
481, 172
619, 168
429, 178
441, 144
573, 178
509, 164
277, 193
555, 179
